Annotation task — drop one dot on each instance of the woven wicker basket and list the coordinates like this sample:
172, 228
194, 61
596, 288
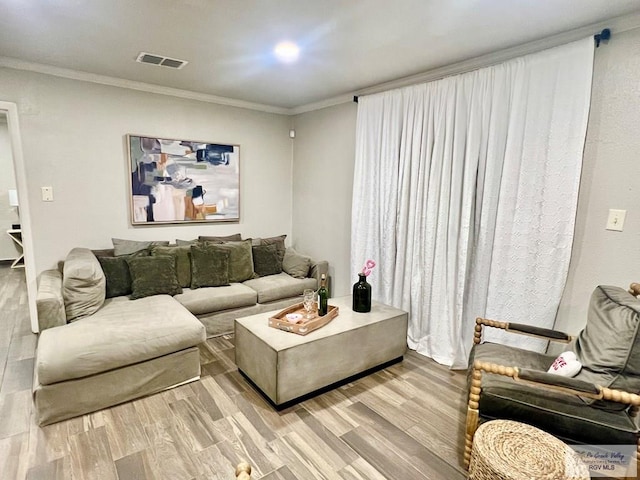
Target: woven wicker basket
507, 450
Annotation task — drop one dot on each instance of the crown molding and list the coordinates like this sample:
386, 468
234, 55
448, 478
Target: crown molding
617, 25
330, 102
17, 64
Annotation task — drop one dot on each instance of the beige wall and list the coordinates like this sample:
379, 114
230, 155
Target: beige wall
324, 151
610, 179
73, 137
8, 214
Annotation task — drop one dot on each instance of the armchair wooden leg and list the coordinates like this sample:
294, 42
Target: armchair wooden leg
473, 415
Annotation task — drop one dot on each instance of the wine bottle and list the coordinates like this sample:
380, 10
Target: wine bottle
322, 296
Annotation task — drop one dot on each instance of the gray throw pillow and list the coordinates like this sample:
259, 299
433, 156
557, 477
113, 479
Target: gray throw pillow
127, 247
186, 242
209, 266
240, 260
295, 264
609, 345
83, 284
265, 260
104, 252
182, 255
153, 275
236, 237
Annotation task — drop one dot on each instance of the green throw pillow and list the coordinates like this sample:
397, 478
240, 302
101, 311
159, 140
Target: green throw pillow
209, 266
182, 255
116, 271
154, 275
265, 260
240, 260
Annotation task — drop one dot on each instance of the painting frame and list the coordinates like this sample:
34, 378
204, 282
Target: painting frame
182, 181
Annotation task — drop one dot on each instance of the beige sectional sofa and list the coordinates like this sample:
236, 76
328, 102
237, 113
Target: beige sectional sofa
91, 358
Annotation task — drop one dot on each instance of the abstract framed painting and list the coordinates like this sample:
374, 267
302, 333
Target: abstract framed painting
183, 181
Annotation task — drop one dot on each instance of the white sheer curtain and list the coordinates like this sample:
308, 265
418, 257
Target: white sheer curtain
465, 194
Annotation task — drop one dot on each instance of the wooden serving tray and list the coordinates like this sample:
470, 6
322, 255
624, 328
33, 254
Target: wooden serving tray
279, 320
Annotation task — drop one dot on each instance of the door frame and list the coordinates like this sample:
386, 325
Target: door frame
11, 110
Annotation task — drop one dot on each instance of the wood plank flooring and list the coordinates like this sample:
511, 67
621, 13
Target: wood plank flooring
404, 422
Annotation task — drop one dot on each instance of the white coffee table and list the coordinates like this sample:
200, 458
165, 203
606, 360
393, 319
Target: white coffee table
287, 367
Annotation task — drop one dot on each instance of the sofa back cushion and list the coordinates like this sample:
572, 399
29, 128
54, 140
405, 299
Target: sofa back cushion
236, 237
83, 284
609, 345
127, 247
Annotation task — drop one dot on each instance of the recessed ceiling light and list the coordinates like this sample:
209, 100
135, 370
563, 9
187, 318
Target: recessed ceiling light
287, 52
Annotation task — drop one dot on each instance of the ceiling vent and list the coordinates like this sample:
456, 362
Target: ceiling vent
161, 61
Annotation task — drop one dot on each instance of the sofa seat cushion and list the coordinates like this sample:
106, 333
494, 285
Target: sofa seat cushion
282, 285
565, 416
123, 332
214, 299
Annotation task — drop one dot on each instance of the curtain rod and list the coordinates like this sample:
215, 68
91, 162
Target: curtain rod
604, 35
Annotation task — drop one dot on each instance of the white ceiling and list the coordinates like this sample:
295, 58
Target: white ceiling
347, 45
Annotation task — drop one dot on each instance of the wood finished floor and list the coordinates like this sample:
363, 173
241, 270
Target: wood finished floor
405, 422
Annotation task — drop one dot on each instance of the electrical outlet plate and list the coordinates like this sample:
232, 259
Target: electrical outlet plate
47, 194
615, 221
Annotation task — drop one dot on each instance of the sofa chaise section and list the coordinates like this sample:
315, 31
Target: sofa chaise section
129, 349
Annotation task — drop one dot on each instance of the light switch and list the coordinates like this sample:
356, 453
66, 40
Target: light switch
616, 220
47, 194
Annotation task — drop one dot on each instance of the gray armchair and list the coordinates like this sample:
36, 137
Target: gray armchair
598, 406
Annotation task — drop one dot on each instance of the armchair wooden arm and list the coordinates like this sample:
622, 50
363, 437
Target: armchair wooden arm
542, 380
634, 289
520, 328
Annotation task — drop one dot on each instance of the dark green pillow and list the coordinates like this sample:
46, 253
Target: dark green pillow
209, 266
278, 242
116, 271
182, 255
265, 260
153, 276
240, 260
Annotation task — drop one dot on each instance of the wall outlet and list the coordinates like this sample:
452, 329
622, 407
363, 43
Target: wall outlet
615, 221
47, 194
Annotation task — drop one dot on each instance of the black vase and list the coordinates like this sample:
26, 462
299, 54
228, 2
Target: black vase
362, 295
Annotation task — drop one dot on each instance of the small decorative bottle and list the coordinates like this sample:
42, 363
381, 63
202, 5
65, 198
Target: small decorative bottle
362, 295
